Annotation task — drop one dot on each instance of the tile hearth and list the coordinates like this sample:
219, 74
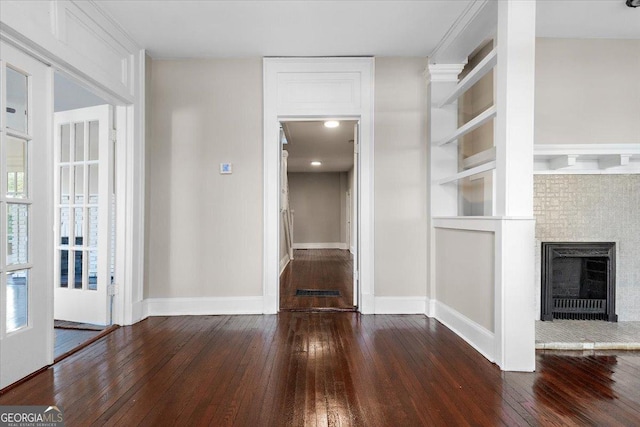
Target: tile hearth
587, 335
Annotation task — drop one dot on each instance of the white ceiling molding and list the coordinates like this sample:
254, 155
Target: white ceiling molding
443, 72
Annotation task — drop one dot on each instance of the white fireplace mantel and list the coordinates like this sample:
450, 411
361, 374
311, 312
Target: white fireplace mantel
586, 158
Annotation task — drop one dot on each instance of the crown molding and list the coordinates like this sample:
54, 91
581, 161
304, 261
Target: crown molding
443, 72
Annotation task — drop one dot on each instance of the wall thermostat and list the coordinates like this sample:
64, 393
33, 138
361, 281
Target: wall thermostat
225, 168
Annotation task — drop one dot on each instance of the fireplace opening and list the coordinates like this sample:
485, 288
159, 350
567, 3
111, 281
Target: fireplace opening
578, 281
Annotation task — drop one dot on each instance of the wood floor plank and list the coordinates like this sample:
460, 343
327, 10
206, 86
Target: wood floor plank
324, 369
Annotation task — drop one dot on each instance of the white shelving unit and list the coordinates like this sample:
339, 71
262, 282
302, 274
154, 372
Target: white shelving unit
478, 72
453, 168
469, 172
471, 125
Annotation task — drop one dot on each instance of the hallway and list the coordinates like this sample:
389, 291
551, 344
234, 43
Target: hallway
318, 270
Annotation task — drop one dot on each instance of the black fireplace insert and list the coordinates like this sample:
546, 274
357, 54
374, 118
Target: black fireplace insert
578, 281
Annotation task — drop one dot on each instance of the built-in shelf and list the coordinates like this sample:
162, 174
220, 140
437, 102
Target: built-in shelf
479, 158
586, 158
472, 124
469, 172
480, 70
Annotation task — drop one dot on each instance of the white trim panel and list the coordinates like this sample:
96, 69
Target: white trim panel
80, 36
474, 334
202, 306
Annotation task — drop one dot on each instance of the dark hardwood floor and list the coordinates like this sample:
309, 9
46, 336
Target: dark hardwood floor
318, 269
301, 369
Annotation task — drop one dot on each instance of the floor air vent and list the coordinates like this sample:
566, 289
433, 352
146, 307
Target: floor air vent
317, 293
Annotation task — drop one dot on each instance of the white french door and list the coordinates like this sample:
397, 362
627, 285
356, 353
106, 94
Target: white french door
26, 324
84, 200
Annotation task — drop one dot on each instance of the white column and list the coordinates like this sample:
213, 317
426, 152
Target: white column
515, 285
442, 122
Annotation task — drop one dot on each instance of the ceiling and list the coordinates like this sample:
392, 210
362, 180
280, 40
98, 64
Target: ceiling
311, 140
198, 29
608, 19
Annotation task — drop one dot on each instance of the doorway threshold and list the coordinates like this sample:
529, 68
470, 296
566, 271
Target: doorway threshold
86, 343
320, 310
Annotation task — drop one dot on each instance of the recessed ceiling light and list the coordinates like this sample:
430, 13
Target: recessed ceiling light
332, 123
316, 163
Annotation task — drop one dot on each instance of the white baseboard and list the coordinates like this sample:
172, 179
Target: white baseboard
367, 303
284, 262
203, 306
400, 305
431, 308
139, 312
474, 334
331, 245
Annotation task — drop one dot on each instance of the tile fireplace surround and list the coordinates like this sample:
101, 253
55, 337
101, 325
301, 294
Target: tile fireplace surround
593, 208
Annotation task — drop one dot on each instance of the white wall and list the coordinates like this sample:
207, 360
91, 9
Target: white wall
317, 200
587, 91
205, 229
400, 177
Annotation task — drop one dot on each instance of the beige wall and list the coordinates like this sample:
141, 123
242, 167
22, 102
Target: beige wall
317, 201
587, 91
204, 230
204, 235
465, 273
400, 177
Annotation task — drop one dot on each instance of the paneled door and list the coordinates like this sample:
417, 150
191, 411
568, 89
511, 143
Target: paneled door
84, 200
26, 324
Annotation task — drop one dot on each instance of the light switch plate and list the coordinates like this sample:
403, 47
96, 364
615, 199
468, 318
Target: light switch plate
225, 168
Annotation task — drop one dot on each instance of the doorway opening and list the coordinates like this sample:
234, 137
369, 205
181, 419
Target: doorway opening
84, 216
318, 215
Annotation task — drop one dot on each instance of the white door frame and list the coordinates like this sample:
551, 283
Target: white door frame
129, 163
316, 88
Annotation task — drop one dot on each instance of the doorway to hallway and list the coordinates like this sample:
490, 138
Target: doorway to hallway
318, 280
318, 244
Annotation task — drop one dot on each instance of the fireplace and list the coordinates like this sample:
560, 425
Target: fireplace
578, 281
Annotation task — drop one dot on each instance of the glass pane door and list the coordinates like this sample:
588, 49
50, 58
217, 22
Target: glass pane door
84, 175
26, 329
